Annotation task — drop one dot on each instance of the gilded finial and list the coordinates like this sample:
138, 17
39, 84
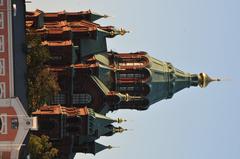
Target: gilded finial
120, 120
119, 130
119, 32
111, 147
204, 80
123, 31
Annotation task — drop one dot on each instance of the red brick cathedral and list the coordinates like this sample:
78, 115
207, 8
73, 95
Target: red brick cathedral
93, 79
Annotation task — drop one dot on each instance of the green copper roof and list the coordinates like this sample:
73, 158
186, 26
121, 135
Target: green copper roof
96, 16
167, 80
105, 75
99, 147
100, 125
93, 46
102, 120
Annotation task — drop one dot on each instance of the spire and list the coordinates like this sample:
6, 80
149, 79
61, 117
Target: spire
204, 80
166, 80
103, 125
93, 148
99, 147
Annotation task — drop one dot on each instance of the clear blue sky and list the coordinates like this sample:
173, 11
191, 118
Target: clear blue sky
196, 36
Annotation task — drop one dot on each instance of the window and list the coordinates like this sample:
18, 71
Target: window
130, 64
126, 88
1, 43
2, 67
131, 75
3, 123
1, 20
82, 98
14, 123
2, 90
1, 2
59, 99
0, 124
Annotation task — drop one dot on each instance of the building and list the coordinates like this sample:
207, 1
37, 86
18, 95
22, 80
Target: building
14, 127
91, 76
103, 80
14, 121
74, 130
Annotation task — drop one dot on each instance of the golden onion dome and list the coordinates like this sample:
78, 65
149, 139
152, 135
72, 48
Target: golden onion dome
204, 80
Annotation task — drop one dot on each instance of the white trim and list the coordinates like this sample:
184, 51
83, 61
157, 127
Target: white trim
1, 20
2, 67
2, 43
10, 50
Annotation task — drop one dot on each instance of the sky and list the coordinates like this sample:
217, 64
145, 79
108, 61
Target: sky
195, 36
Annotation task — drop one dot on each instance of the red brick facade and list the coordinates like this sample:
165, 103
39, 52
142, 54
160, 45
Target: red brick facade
8, 114
6, 70
12, 113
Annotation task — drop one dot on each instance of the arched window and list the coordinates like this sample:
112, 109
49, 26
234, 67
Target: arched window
135, 90
59, 99
81, 98
132, 61
131, 75
0, 124
3, 123
2, 90
126, 88
130, 64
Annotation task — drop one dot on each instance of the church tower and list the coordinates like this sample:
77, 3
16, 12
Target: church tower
94, 80
90, 75
115, 81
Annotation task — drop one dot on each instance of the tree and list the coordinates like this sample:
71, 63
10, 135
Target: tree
42, 83
41, 148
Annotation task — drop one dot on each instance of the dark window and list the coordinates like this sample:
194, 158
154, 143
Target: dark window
125, 88
81, 98
1, 20
59, 99
2, 42
131, 75
14, 123
0, 124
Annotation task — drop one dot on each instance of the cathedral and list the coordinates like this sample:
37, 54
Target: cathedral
95, 81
